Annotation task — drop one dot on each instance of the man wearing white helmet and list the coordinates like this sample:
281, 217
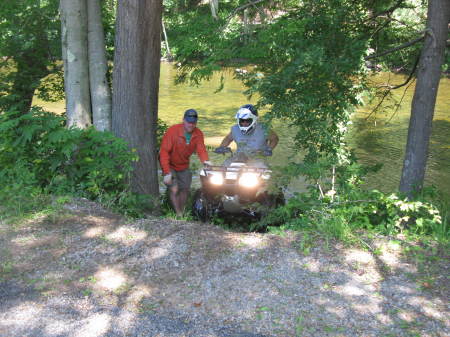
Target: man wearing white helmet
251, 137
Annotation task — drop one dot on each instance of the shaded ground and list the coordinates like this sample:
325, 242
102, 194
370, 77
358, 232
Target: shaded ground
87, 272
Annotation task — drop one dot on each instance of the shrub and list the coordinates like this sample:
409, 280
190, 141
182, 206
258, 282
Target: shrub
38, 153
337, 205
63, 160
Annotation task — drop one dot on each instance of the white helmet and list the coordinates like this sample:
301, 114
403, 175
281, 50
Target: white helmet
248, 113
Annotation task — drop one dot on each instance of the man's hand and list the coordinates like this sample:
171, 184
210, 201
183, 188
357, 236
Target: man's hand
167, 180
267, 151
222, 150
207, 163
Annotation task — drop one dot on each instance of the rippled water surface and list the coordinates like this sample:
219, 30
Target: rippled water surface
382, 138
379, 137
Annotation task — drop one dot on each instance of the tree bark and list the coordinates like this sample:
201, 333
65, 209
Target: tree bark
98, 68
29, 73
214, 4
75, 56
135, 86
424, 99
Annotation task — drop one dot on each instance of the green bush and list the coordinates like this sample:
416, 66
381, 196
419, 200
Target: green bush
39, 155
339, 209
19, 194
63, 160
161, 129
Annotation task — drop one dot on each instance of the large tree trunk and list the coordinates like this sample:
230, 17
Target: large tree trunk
135, 86
100, 91
75, 56
424, 99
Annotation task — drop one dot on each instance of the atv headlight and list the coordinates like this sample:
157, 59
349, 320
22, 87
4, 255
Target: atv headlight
248, 179
216, 179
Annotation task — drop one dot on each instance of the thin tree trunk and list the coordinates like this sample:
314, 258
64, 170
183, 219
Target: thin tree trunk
31, 68
424, 99
135, 82
74, 27
214, 4
64, 44
98, 67
166, 42
29, 73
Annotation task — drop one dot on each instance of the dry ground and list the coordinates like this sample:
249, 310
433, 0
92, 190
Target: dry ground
88, 272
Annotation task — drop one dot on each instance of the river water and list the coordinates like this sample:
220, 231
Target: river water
376, 138
379, 138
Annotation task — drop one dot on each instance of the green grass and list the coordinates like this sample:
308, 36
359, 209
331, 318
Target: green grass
20, 209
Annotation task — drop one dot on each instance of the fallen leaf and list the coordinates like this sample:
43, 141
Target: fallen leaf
426, 285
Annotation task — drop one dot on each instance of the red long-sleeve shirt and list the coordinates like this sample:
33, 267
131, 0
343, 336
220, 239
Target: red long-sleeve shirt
174, 153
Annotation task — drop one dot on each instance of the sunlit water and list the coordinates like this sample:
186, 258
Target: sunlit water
378, 138
381, 138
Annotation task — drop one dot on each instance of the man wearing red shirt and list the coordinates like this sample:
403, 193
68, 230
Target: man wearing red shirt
179, 142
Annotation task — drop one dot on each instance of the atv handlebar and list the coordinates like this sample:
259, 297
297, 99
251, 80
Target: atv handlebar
223, 150
219, 168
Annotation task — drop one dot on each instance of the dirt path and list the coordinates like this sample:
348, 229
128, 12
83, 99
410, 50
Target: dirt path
87, 272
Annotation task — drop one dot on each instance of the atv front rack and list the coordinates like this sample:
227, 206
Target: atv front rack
239, 169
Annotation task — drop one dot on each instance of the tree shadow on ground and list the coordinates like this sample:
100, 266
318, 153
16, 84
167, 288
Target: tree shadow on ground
162, 277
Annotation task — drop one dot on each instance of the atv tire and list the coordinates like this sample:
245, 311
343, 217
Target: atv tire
200, 207
270, 201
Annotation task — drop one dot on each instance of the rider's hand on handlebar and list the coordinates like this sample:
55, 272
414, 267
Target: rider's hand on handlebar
267, 151
222, 150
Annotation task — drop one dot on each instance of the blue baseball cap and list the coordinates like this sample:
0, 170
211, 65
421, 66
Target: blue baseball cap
191, 116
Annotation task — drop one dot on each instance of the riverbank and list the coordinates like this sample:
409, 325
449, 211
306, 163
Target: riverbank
380, 138
84, 271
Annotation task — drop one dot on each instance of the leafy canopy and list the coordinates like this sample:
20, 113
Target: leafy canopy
30, 45
304, 59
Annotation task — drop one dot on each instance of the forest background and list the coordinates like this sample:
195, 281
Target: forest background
308, 61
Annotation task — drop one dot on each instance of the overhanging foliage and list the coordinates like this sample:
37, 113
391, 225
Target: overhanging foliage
305, 59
